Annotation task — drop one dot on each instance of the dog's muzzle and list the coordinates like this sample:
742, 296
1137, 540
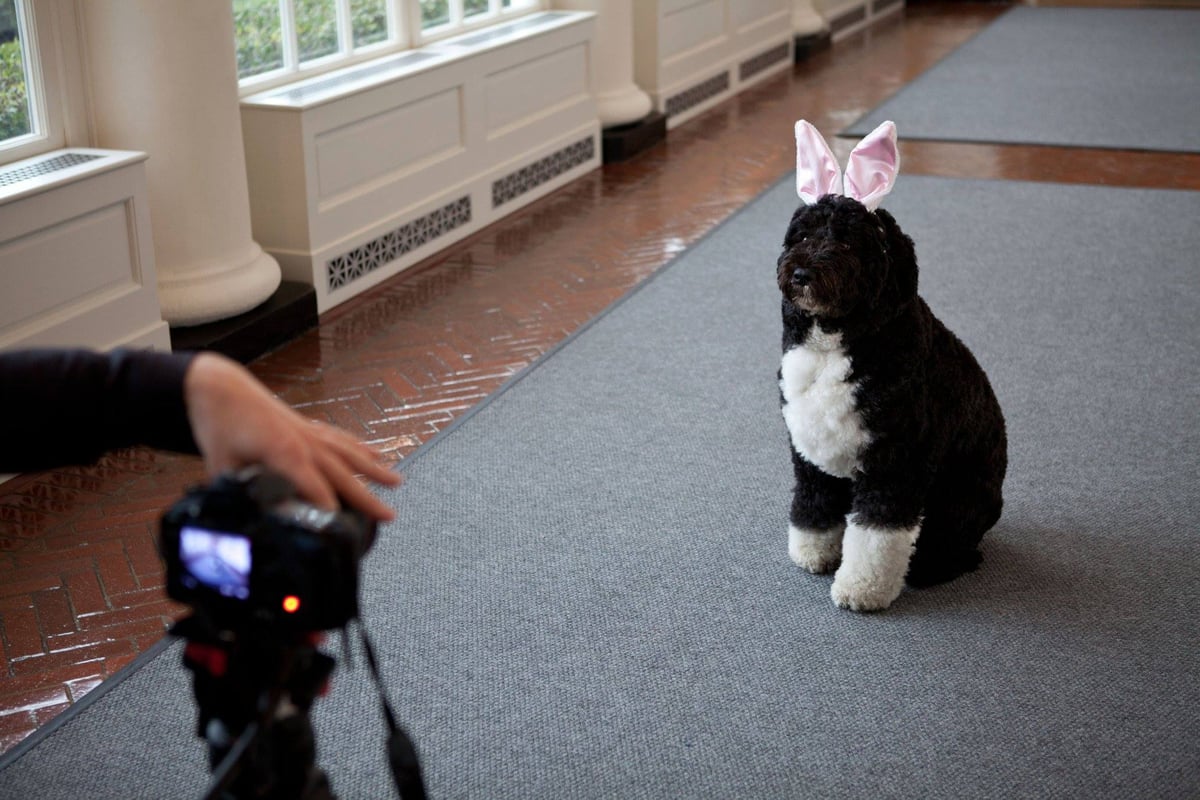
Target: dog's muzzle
801, 277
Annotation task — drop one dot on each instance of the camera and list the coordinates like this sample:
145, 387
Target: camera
247, 552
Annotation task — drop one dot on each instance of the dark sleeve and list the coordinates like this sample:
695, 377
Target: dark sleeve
61, 407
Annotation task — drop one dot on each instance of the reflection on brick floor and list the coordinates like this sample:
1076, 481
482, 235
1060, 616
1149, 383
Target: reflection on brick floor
80, 580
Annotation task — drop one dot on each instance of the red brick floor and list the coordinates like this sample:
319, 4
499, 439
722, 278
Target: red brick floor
81, 586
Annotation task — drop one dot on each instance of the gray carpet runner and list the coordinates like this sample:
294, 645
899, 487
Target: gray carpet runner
587, 593
1082, 77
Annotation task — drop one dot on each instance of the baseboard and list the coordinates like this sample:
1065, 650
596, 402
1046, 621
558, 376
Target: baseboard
811, 44
622, 142
287, 313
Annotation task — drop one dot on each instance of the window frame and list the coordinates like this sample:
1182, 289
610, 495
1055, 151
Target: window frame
53, 80
404, 33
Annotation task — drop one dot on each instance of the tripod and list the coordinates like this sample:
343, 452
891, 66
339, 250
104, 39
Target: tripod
254, 693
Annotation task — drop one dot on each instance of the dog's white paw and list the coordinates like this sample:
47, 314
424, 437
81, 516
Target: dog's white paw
874, 562
860, 593
816, 551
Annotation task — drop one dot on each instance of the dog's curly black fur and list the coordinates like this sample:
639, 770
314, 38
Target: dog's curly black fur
931, 449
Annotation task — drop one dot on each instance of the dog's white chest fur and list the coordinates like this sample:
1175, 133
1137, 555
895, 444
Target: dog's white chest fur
819, 406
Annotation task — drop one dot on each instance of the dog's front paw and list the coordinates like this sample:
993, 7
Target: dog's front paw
874, 562
859, 593
816, 551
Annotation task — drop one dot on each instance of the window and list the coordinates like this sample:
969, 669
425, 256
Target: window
18, 121
33, 99
282, 40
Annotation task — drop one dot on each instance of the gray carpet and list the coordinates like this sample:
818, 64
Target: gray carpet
1083, 77
587, 593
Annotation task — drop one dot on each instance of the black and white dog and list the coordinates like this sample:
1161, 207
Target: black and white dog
898, 442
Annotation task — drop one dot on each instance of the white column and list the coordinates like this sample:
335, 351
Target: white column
618, 99
806, 20
163, 80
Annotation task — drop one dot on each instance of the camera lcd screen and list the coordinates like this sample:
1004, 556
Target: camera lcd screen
215, 559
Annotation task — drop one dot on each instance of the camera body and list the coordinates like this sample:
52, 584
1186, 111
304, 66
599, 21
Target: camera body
245, 552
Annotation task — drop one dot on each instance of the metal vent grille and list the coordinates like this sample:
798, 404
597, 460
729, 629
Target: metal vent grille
696, 95
379, 251
768, 58
11, 175
542, 170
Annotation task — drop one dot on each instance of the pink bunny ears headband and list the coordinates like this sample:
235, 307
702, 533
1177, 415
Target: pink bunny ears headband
870, 172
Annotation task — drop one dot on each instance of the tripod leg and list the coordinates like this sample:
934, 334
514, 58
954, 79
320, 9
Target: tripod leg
292, 756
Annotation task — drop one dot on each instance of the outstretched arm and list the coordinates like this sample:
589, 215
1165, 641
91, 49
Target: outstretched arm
61, 407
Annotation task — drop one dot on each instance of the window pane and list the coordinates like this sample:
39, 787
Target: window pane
256, 28
369, 21
434, 13
474, 7
316, 28
14, 96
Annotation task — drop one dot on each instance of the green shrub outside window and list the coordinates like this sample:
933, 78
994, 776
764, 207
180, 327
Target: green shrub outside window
14, 95
369, 21
258, 28
434, 13
259, 33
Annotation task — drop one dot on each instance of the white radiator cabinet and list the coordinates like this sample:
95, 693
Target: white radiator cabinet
847, 17
690, 55
358, 174
77, 254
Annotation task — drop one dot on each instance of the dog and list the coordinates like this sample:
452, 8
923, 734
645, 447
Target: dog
898, 443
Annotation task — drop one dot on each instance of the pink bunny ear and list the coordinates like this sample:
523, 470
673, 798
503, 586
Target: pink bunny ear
871, 170
817, 171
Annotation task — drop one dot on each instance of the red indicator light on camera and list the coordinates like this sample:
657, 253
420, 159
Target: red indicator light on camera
291, 604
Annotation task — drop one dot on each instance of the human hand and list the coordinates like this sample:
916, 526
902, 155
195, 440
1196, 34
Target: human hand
237, 422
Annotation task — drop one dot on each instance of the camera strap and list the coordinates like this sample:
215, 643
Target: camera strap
402, 754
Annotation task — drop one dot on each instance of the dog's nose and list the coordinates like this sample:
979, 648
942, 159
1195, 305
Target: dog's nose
801, 276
